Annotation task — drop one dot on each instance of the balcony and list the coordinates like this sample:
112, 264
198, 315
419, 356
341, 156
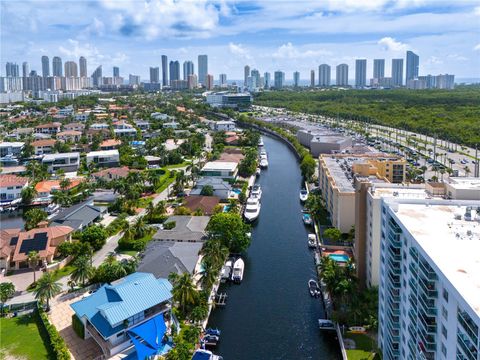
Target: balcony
468, 325
428, 305
413, 269
428, 288
413, 284
428, 341
467, 346
395, 279
413, 253
427, 271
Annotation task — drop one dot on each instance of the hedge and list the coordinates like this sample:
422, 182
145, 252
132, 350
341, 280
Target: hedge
58, 344
78, 326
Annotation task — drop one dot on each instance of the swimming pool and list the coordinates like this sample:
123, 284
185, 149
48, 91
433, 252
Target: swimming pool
339, 257
237, 191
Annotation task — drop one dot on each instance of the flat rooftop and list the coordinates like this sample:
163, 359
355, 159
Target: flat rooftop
451, 241
219, 166
400, 191
465, 183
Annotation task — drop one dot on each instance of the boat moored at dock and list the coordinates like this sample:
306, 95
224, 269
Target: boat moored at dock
202, 354
252, 209
303, 195
313, 288
256, 192
307, 218
238, 269
312, 240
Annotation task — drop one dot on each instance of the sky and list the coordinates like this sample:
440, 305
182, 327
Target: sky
268, 35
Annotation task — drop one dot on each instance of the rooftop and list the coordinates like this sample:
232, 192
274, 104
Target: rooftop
187, 228
450, 240
465, 183
102, 153
62, 155
12, 180
219, 166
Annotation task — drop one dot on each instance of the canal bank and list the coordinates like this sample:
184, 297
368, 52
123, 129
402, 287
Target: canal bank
271, 314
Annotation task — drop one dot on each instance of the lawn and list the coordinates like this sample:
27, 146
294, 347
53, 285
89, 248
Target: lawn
14, 333
364, 347
129, 252
144, 202
176, 166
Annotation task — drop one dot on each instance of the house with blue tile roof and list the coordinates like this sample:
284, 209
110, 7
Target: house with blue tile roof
131, 315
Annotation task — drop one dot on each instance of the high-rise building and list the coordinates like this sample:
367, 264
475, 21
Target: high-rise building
192, 82
45, 66
342, 75
164, 70
154, 75
209, 82
412, 65
246, 74
378, 68
12, 70
324, 75
25, 69
71, 69
255, 79
312, 78
268, 80
116, 71
174, 71
397, 72
188, 69
57, 69
429, 291
223, 80
296, 79
97, 77
202, 69
360, 73
279, 79
83, 66
133, 79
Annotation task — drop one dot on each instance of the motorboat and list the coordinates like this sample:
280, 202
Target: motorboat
263, 163
256, 192
303, 195
252, 209
263, 153
52, 208
312, 240
210, 340
214, 332
307, 219
313, 288
324, 324
258, 171
202, 354
260, 142
238, 268
226, 271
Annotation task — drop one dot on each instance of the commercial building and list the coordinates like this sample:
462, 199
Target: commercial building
165, 81
342, 75
360, 73
83, 66
188, 69
312, 78
232, 100
429, 294
223, 80
323, 141
133, 79
66, 161
324, 74
116, 71
202, 69
174, 69
45, 66
222, 169
267, 80
279, 79
412, 66
154, 75
246, 75
57, 69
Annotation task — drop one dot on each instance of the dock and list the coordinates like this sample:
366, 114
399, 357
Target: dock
221, 299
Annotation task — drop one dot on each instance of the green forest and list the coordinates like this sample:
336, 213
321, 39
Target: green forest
453, 115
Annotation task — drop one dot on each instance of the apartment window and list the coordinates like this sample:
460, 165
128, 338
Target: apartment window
444, 313
444, 331
444, 350
445, 295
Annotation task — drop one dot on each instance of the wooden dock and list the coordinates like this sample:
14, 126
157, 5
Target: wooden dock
221, 299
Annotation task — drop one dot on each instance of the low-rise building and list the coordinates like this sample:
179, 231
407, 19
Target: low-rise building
186, 229
48, 128
79, 216
230, 100
222, 125
205, 204
125, 132
112, 173
43, 146
67, 162
11, 148
462, 188
75, 126
134, 313
11, 187
72, 136
104, 158
46, 188
323, 142
220, 187
110, 144
222, 169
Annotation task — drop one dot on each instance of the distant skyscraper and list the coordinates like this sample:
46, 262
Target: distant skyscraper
223, 80
97, 77
45, 66
268, 80
202, 69
378, 68
164, 70
71, 69
412, 65
188, 69
312, 78
25, 69
324, 74
83, 66
296, 79
342, 75
255, 75
246, 74
209, 82
174, 71
12, 69
360, 72
133, 79
397, 72
57, 66
154, 75
279, 79
116, 71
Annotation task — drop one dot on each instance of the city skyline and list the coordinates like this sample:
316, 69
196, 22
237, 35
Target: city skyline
227, 32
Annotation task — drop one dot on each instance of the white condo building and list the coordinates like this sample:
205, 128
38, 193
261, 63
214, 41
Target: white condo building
429, 295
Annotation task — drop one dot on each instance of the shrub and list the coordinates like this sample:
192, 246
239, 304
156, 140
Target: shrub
78, 326
58, 344
170, 225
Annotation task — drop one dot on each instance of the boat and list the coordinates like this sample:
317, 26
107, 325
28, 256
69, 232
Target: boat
252, 209
226, 271
258, 171
324, 324
307, 219
256, 192
202, 354
260, 142
303, 195
313, 288
312, 240
263, 163
210, 340
238, 268
52, 208
211, 331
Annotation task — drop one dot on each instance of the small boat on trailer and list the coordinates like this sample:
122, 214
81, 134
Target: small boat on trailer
313, 288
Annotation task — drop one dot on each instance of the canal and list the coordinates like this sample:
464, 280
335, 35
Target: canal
271, 314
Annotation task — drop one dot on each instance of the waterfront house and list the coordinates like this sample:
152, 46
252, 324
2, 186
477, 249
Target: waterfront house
222, 169
43, 146
103, 158
112, 173
187, 229
79, 216
11, 187
132, 314
221, 188
48, 128
45, 188
204, 203
66, 161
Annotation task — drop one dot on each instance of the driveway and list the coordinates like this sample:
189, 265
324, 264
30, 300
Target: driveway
21, 279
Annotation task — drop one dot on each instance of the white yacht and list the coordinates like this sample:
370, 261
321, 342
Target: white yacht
226, 270
258, 171
256, 192
312, 240
238, 268
303, 195
264, 163
252, 209
202, 354
260, 142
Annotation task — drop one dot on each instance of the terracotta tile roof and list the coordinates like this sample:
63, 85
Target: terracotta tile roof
49, 185
118, 172
48, 125
43, 142
75, 124
12, 180
6, 236
110, 142
206, 203
69, 133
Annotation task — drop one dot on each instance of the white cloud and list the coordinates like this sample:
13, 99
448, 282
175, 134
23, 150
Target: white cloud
239, 50
476, 47
433, 60
289, 51
390, 44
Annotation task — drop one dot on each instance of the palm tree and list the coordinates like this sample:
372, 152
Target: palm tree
140, 227
65, 183
467, 171
184, 290
32, 258
209, 275
28, 194
7, 290
214, 252
83, 270
199, 313
47, 288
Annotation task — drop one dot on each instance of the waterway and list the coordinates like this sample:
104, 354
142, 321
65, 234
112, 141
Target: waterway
271, 315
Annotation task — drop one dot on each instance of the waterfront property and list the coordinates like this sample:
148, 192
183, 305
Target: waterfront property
429, 296
65, 161
205, 204
103, 158
222, 169
132, 314
79, 216
220, 187
187, 229
11, 187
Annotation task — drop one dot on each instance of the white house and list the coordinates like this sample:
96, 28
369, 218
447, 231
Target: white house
11, 187
104, 157
223, 169
67, 161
